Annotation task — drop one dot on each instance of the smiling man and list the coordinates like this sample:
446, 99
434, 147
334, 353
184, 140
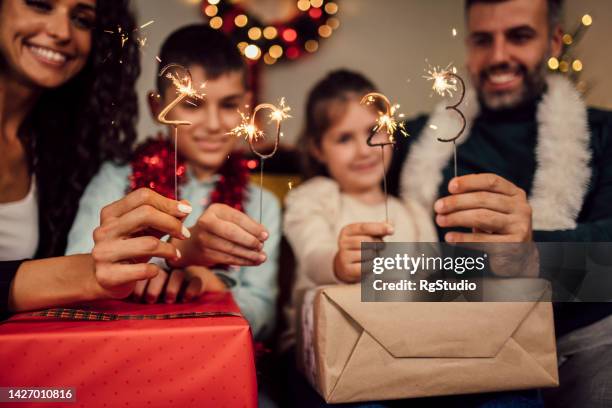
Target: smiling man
534, 165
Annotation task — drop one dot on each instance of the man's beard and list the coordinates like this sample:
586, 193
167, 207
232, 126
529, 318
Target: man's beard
534, 83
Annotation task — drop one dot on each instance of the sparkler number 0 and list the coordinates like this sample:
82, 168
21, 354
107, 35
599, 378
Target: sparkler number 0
258, 108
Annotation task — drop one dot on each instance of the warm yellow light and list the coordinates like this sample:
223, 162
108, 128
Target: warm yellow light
242, 45
563, 66
276, 51
216, 22
269, 59
331, 8
577, 65
211, 10
213, 2
303, 5
553, 63
568, 39
333, 22
311, 45
270, 33
241, 20
254, 33
252, 52
325, 31
316, 3
587, 20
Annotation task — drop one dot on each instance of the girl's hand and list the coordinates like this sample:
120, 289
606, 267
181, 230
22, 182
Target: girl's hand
347, 262
182, 285
120, 254
222, 235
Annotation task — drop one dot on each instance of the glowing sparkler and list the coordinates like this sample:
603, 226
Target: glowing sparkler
445, 82
249, 130
387, 121
184, 89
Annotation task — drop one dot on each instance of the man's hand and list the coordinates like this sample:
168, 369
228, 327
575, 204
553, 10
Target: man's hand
495, 209
121, 253
222, 235
347, 262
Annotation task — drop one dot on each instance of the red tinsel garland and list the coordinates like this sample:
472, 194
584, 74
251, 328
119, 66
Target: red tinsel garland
153, 167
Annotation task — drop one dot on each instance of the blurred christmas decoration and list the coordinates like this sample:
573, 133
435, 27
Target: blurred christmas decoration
309, 22
568, 64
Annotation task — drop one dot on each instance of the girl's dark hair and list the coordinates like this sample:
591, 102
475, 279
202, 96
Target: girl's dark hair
326, 104
90, 119
199, 44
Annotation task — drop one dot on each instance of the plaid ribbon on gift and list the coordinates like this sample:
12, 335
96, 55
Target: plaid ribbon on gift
80, 314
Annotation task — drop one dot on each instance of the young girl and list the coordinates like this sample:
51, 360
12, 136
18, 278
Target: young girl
342, 203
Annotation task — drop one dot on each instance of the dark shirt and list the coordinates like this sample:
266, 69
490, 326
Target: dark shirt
504, 144
8, 269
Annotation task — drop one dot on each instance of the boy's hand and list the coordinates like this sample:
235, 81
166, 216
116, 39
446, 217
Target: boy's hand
222, 235
181, 285
347, 262
120, 255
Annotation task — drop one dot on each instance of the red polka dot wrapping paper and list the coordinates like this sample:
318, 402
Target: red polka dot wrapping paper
174, 361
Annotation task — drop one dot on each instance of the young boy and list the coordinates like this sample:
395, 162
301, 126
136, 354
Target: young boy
214, 177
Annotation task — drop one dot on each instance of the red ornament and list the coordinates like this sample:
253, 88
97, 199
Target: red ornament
153, 167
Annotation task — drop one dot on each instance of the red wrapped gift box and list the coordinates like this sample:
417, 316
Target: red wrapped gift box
183, 355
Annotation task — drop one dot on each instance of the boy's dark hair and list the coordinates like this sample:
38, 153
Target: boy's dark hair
198, 44
325, 105
555, 8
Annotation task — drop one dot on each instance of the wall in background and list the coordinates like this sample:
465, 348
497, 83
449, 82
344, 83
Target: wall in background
390, 41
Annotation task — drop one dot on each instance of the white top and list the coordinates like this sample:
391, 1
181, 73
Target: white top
19, 227
315, 213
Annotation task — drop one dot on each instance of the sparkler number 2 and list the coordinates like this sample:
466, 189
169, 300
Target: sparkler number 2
182, 81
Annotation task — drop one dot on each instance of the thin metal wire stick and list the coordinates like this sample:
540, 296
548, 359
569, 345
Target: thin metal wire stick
261, 166
455, 156
176, 197
382, 151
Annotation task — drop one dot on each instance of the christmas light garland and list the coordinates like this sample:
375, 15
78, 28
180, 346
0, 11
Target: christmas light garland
314, 20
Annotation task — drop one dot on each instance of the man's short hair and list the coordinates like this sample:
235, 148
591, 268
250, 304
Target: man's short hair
200, 45
555, 8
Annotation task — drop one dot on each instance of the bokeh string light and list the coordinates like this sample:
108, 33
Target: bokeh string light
567, 64
312, 22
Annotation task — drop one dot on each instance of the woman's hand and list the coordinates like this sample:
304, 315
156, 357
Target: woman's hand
347, 262
222, 235
182, 285
120, 254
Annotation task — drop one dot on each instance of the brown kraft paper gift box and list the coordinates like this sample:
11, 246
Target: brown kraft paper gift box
357, 351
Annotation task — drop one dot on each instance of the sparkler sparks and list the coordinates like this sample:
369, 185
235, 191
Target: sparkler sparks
249, 130
387, 121
124, 36
443, 80
184, 89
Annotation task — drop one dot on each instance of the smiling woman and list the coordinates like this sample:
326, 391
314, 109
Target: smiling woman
67, 102
72, 104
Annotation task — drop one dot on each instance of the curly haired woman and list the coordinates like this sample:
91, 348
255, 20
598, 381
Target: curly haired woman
67, 103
